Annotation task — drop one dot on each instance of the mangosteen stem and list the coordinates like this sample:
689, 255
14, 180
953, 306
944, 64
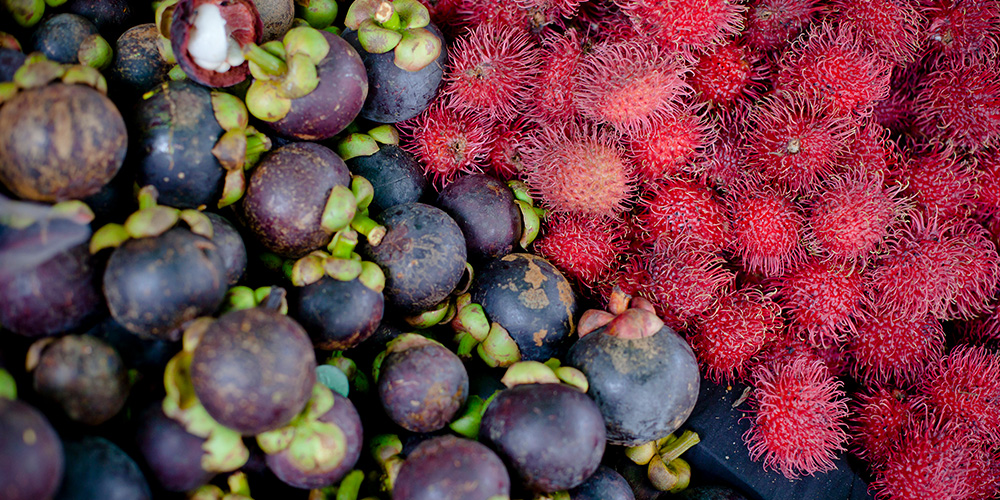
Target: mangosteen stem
350, 486
257, 144
673, 449
238, 484
373, 231
268, 62
147, 197
343, 244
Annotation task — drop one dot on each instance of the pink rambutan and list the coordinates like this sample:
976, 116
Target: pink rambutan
962, 26
869, 150
892, 348
583, 248
771, 24
788, 346
631, 276
629, 85
504, 160
849, 216
574, 167
687, 24
988, 182
684, 280
555, 83
959, 100
879, 415
940, 182
974, 271
490, 69
474, 13
766, 230
830, 66
446, 142
671, 146
727, 73
793, 142
798, 418
725, 159
891, 27
685, 210
544, 12
982, 331
964, 386
726, 338
820, 300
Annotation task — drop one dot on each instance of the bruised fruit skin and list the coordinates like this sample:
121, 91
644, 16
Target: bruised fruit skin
31, 454
436, 466
60, 142
254, 370
484, 209
170, 452
551, 435
84, 376
338, 314
422, 387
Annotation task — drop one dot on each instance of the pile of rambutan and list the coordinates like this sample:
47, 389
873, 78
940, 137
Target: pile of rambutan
808, 190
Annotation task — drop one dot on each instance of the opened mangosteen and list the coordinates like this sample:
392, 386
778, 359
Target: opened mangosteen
98, 468
31, 453
209, 38
421, 383
451, 468
393, 172
172, 454
485, 209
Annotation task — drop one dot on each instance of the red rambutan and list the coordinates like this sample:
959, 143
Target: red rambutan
630, 85
688, 24
725, 159
544, 12
891, 27
793, 142
555, 83
490, 69
446, 142
575, 167
683, 280
973, 271
504, 160
473, 13
893, 348
988, 180
940, 182
962, 26
880, 414
964, 387
727, 73
869, 150
770, 24
583, 248
959, 100
766, 230
830, 66
820, 300
685, 210
897, 111
798, 418
671, 146
727, 337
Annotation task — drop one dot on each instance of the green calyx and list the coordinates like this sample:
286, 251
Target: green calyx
386, 450
19, 214
311, 445
37, 71
498, 350
398, 25
475, 332
284, 71
95, 52
239, 489
8, 386
531, 216
319, 14
433, 316
26, 13
400, 344
550, 372
8, 41
149, 221
238, 148
665, 469
244, 297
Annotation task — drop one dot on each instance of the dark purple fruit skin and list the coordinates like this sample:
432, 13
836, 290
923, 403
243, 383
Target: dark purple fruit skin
84, 376
603, 484
59, 37
176, 131
139, 65
710, 493
154, 285
110, 16
646, 388
10, 61
254, 370
31, 454
451, 468
60, 142
422, 254
551, 435
171, 453
529, 297
58, 295
423, 387
345, 416
97, 468
484, 208
335, 103
338, 314
395, 175
231, 247
395, 94
286, 195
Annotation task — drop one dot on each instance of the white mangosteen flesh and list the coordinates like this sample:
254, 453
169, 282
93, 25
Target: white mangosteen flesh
210, 45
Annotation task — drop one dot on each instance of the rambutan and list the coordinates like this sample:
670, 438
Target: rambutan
685, 210
959, 100
727, 337
961, 26
490, 69
771, 24
793, 142
446, 142
766, 230
671, 146
988, 182
897, 112
869, 150
830, 66
964, 386
474, 13
975, 271
725, 159
688, 24
630, 85
940, 182
788, 346
798, 418
684, 280
849, 216
890, 27
504, 160
583, 248
545, 12
879, 415
892, 348
555, 83
820, 300
983, 331
727, 73
574, 167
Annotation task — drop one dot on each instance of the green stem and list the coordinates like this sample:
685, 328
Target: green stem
8, 387
268, 62
350, 486
372, 230
675, 448
343, 244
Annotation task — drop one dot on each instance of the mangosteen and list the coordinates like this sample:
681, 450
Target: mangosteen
421, 383
31, 454
395, 175
171, 453
551, 435
111, 17
485, 209
209, 37
10, 60
231, 248
643, 376
451, 468
339, 314
70, 39
253, 370
422, 253
97, 468
142, 59
59, 141
603, 484
82, 375
147, 355
711, 493
49, 282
